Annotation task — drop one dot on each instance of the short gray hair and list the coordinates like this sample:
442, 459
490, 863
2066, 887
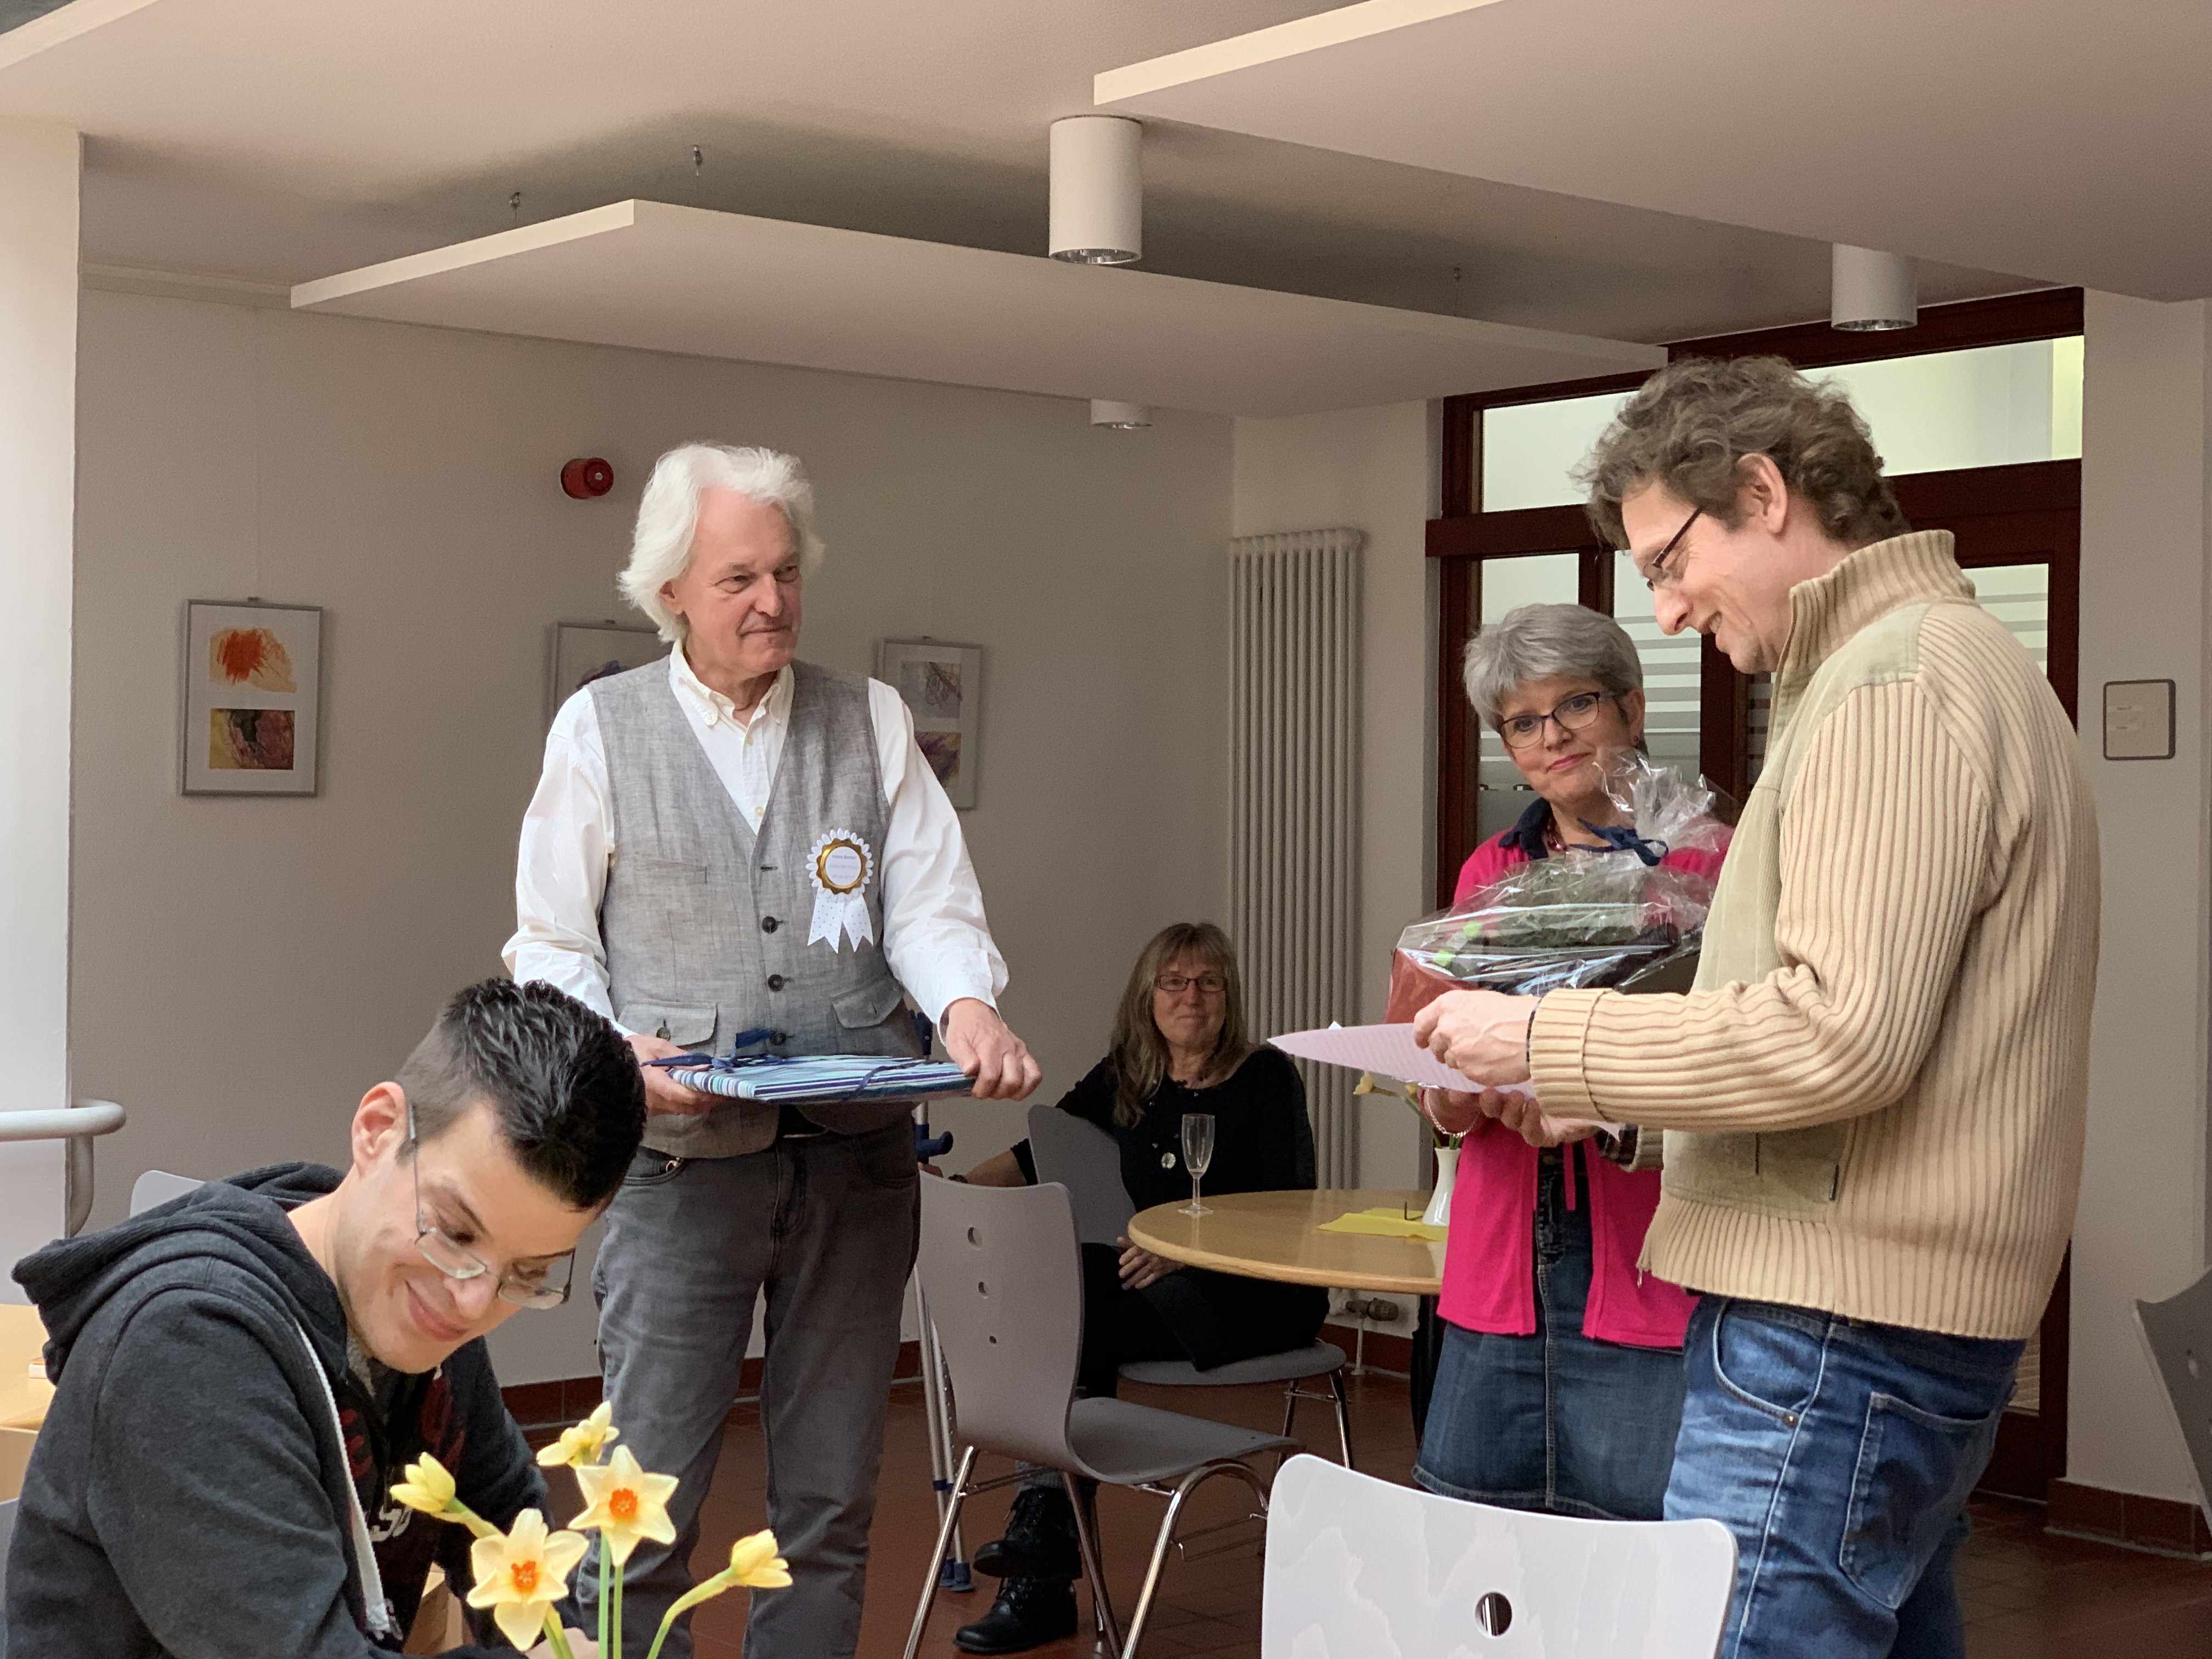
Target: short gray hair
1537, 642
668, 516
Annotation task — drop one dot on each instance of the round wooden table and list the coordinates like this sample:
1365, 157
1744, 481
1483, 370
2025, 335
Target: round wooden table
1273, 1236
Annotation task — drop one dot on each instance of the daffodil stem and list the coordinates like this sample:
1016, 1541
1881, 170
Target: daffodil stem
667, 1624
605, 1602
557, 1636
619, 1577
457, 1511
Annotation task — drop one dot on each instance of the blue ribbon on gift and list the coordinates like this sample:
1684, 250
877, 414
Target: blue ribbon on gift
1621, 839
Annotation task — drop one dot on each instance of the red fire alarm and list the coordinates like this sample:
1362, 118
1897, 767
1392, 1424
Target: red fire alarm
586, 479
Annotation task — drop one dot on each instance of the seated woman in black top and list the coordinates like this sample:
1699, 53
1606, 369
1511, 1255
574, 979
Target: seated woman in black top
1179, 1046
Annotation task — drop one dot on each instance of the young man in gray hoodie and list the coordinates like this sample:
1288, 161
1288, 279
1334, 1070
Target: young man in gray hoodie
242, 1374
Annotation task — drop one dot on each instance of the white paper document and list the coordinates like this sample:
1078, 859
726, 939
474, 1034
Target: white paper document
1385, 1051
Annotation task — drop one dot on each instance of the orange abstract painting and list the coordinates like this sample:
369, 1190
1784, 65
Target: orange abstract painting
249, 656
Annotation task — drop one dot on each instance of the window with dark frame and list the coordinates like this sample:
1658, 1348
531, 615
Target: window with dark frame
2017, 528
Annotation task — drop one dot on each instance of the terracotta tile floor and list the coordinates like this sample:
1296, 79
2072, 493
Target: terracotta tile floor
2027, 1594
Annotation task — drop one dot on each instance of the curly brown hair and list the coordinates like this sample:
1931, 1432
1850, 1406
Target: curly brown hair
1691, 425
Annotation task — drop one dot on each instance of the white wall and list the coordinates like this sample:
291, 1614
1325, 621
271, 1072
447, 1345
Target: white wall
39, 167
244, 969
2140, 1228
1372, 470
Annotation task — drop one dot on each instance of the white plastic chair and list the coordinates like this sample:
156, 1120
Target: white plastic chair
1083, 1159
1358, 1567
2179, 1333
158, 1187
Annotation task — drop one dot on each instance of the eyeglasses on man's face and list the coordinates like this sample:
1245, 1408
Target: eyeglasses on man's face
1207, 985
533, 1289
1664, 569
1575, 714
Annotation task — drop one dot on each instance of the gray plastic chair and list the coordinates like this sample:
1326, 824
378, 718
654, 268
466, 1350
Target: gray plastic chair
1083, 1159
1003, 1279
2179, 1333
158, 1187
1358, 1567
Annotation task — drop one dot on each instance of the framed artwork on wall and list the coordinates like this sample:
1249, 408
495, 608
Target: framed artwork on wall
942, 685
584, 651
253, 698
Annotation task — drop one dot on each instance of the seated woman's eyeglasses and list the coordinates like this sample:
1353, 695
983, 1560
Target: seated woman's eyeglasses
1574, 714
530, 1289
1209, 985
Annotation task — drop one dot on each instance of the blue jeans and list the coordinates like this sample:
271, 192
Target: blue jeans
1557, 1421
1840, 1454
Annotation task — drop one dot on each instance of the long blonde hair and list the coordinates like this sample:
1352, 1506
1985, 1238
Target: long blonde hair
1139, 1052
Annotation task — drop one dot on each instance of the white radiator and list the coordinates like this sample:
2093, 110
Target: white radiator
1294, 803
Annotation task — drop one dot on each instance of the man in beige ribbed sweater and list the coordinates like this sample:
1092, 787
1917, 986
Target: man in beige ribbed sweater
1873, 1100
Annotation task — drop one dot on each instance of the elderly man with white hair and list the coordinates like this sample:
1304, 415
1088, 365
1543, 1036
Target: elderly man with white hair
695, 820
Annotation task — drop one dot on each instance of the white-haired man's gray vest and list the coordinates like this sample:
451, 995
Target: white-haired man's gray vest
705, 922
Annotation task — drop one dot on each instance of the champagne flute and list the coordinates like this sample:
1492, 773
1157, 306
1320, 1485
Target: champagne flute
1197, 1153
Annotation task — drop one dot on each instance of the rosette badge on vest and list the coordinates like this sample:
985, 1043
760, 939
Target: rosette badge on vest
839, 868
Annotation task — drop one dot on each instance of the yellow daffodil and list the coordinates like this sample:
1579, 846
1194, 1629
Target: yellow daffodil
427, 1487
581, 1442
753, 1563
625, 1503
521, 1575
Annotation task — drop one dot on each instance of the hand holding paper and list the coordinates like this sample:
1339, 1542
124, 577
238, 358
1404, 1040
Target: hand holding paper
1481, 1035
1391, 1051
1385, 1051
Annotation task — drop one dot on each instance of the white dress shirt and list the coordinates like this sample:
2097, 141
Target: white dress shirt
936, 940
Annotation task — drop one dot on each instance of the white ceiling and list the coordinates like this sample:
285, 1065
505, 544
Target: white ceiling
273, 140
671, 278
2067, 141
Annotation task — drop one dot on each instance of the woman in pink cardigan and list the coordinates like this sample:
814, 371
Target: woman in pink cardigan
1560, 1385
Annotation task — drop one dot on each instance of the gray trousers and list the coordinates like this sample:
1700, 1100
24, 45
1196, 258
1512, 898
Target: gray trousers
827, 1227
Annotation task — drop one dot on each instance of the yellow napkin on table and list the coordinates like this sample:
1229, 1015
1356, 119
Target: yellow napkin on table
1386, 1222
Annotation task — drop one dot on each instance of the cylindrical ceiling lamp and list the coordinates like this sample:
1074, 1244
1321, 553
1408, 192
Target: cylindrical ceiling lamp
1098, 191
1123, 417
1871, 289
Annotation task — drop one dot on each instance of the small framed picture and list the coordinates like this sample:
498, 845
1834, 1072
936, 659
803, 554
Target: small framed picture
584, 651
942, 685
253, 698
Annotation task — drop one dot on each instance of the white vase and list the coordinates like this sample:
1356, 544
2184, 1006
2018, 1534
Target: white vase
1438, 1214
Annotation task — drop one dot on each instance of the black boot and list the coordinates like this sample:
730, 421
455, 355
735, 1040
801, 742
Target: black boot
1029, 1613
1040, 1541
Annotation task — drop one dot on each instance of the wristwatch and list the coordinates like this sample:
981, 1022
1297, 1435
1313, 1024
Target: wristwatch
1619, 1148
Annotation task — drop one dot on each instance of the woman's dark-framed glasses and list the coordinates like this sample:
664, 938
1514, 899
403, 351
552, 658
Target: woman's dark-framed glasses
459, 1262
1208, 985
1575, 714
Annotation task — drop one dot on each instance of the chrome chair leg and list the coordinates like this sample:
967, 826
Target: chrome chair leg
1189, 1484
1094, 1564
1289, 1407
945, 1530
1343, 1415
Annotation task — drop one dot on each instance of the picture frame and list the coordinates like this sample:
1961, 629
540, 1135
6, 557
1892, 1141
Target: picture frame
251, 705
582, 652
942, 685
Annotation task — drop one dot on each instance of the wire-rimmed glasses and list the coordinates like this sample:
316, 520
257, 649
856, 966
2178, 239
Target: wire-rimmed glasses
1659, 573
457, 1262
1197, 1153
